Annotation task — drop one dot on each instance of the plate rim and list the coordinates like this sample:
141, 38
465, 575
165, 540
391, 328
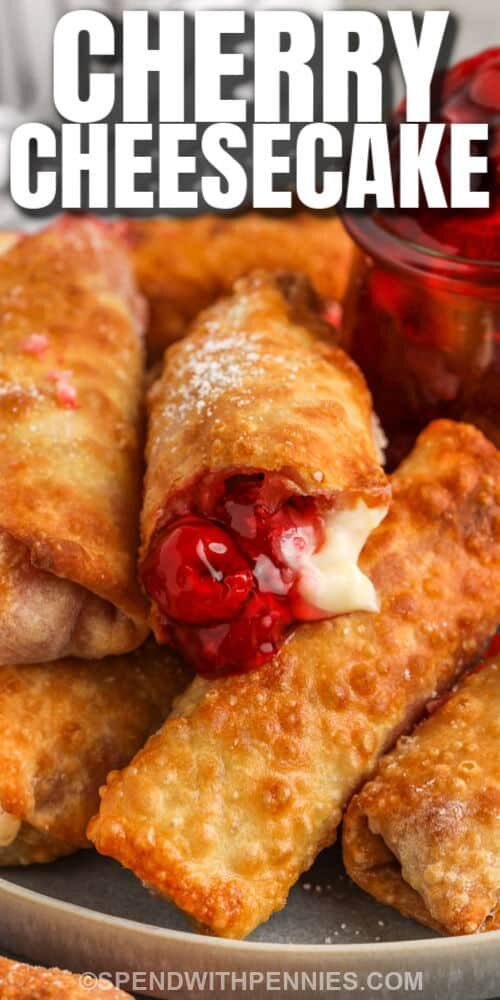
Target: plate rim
208, 942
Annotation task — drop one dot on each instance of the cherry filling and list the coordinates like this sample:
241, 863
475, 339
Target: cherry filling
225, 579
469, 92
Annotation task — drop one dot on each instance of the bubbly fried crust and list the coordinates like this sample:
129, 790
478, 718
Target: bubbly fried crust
63, 727
257, 385
246, 782
182, 266
69, 491
423, 834
30, 982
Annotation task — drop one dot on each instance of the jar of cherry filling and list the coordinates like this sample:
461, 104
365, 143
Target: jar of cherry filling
426, 289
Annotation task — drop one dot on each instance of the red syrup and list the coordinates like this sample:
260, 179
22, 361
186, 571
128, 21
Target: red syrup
222, 580
427, 328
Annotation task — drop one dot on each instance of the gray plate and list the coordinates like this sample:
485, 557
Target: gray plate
85, 912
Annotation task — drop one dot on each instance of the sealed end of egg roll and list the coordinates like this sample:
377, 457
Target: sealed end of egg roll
422, 835
71, 371
245, 784
183, 265
32, 982
63, 727
263, 479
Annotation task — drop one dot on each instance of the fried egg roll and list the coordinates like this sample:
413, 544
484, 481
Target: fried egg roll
184, 265
7, 239
71, 370
245, 784
263, 479
423, 834
32, 982
63, 727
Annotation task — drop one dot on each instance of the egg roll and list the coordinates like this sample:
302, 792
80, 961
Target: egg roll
246, 782
423, 834
71, 370
263, 478
184, 265
63, 727
32, 982
7, 239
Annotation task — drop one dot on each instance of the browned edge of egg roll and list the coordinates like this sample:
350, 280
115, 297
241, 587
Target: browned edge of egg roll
32, 982
184, 265
423, 834
63, 727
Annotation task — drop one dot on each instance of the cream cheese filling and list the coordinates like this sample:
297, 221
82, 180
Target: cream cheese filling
331, 579
9, 828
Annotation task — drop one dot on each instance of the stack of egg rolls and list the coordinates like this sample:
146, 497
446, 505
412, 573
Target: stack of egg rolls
71, 383
246, 782
63, 727
423, 834
183, 265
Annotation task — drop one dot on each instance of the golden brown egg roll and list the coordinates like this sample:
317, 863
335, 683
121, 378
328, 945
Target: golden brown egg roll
246, 782
7, 239
263, 471
424, 834
63, 727
71, 371
32, 982
183, 265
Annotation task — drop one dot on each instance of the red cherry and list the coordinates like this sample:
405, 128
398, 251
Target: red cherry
485, 86
196, 574
239, 506
494, 647
228, 594
247, 642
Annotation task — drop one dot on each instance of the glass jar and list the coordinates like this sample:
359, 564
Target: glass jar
424, 302
426, 332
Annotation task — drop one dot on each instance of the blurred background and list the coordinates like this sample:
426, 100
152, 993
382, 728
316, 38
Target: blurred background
26, 30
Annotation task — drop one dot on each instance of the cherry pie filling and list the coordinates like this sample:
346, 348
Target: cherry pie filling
226, 574
429, 343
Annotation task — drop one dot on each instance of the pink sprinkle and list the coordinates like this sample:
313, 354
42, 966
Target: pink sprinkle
333, 313
65, 390
35, 344
66, 395
59, 375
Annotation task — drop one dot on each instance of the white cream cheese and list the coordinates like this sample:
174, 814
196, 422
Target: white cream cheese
331, 579
9, 828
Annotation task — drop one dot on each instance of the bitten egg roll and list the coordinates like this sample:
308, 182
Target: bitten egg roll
71, 370
184, 265
32, 982
63, 727
423, 834
246, 782
263, 479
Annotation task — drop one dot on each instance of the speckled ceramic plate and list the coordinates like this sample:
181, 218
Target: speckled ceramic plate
86, 913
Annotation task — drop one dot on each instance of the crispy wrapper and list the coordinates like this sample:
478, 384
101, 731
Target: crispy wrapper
258, 387
245, 784
71, 371
423, 834
183, 265
63, 727
32, 982
7, 239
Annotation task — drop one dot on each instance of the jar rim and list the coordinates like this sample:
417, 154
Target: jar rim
399, 252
